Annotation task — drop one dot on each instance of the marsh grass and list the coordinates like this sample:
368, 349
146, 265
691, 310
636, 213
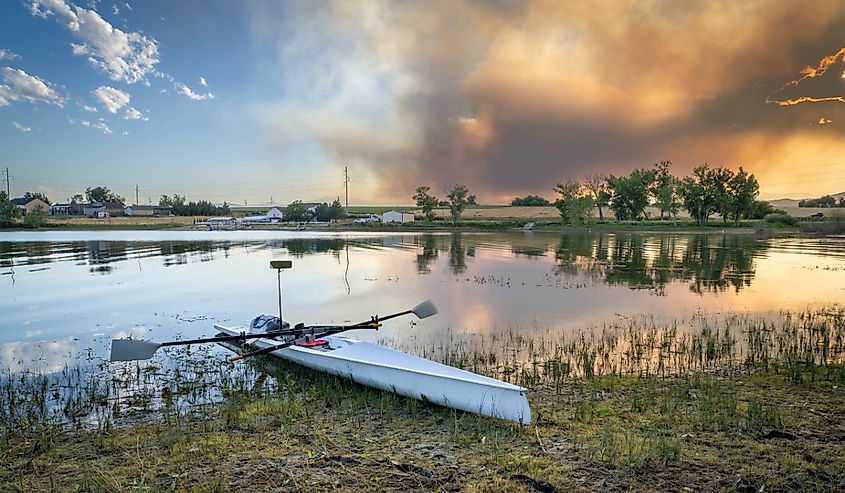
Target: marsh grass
634, 400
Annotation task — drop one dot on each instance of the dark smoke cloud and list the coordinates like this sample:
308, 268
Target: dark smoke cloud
512, 97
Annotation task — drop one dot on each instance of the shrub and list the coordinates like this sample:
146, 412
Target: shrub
778, 219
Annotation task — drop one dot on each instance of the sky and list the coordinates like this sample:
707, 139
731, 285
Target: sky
259, 101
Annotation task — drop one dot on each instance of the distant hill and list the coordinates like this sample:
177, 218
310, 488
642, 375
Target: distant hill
786, 202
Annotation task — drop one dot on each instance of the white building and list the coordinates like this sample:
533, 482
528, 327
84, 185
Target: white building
275, 214
397, 217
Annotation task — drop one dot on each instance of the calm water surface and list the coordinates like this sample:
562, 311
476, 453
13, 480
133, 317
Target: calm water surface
64, 296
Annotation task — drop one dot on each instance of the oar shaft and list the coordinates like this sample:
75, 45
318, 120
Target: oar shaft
242, 335
378, 319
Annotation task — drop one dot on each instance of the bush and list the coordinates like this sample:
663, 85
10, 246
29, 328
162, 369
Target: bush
778, 219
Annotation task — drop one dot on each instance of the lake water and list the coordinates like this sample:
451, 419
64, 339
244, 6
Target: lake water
64, 296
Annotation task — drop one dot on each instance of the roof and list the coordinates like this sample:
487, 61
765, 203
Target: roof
398, 212
148, 207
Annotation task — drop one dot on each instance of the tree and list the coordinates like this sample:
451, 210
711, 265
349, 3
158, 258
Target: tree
296, 211
35, 218
176, 204
664, 190
36, 195
629, 194
328, 212
698, 193
472, 200
759, 209
720, 181
102, 194
742, 190
597, 185
530, 201
574, 203
426, 202
457, 201
8, 211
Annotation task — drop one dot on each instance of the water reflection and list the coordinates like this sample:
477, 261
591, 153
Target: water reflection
482, 282
709, 263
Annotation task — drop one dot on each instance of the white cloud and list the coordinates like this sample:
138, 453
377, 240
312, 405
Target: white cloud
185, 90
126, 56
89, 109
98, 125
21, 127
22, 86
203, 83
8, 55
133, 114
112, 99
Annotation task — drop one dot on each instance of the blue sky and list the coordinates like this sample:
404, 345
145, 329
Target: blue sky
124, 120
244, 101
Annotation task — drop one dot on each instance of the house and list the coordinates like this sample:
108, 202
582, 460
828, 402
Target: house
92, 209
147, 210
27, 205
113, 208
274, 215
71, 208
397, 217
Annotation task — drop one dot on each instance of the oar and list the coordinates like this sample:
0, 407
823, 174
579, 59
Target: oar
134, 349
422, 310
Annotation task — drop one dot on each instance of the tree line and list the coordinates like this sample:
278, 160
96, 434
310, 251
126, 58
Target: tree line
704, 193
823, 201
180, 207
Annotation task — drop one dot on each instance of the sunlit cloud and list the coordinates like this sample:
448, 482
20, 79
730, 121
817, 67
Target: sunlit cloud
112, 99
123, 56
8, 55
21, 86
99, 125
21, 127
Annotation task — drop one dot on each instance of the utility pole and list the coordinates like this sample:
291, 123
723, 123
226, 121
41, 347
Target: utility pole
346, 185
8, 185
136, 194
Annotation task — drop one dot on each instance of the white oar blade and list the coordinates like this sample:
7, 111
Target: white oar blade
131, 350
425, 309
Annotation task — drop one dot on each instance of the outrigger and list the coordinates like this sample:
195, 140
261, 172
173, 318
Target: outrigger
321, 348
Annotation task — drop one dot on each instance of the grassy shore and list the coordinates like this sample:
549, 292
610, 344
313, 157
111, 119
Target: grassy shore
723, 402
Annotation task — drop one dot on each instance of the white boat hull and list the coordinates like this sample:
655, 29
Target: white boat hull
394, 371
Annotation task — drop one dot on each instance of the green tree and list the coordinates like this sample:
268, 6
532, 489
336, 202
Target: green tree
742, 190
472, 200
457, 201
425, 201
8, 211
574, 203
102, 194
629, 194
176, 203
530, 201
296, 211
699, 194
37, 195
759, 209
597, 185
328, 212
35, 218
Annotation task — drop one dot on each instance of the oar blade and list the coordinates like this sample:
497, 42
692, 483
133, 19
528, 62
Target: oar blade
131, 350
425, 309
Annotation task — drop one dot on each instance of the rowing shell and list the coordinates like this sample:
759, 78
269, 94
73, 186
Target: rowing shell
394, 371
